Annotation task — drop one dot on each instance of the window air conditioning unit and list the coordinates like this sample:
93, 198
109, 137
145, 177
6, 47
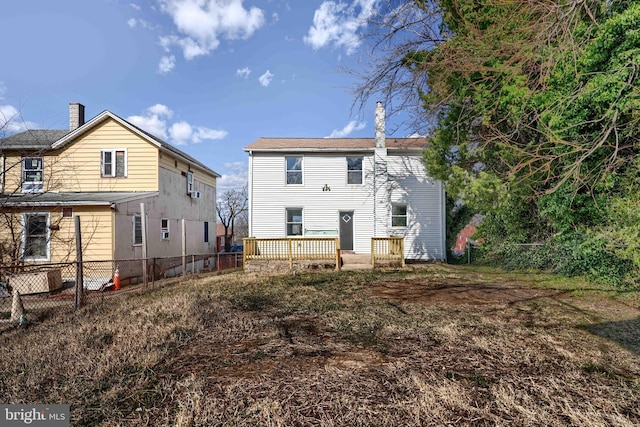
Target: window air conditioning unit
195, 194
165, 235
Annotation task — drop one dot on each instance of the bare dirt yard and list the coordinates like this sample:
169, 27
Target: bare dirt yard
425, 345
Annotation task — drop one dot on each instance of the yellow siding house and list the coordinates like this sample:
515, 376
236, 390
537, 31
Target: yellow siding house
101, 171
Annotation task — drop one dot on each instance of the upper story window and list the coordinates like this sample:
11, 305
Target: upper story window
189, 182
32, 174
399, 215
294, 169
354, 170
294, 222
35, 236
113, 163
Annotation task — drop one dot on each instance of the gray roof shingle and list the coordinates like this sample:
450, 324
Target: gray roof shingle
32, 140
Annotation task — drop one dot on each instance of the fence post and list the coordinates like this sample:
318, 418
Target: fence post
184, 248
290, 255
79, 297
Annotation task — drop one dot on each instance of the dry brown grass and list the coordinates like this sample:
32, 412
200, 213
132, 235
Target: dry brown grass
435, 345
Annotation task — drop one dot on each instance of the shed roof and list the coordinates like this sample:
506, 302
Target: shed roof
98, 198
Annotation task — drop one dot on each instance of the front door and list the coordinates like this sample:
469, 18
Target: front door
346, 230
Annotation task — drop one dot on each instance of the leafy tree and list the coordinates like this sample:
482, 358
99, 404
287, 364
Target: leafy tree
532, 109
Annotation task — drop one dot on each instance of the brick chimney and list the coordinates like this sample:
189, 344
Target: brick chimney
379, 125
76, 115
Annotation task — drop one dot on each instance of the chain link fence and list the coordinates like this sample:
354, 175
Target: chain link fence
35, 292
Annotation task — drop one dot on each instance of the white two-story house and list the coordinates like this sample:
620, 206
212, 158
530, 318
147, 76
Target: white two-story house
352, 188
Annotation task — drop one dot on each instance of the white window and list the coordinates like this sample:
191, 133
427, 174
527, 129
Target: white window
294, 222
399, 215
354, 170
294, 169
189, 182
113, 163
137, 230
67, 212
164, 228
32, 174
35, 236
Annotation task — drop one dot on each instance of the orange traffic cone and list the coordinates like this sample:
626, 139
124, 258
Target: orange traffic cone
116, 278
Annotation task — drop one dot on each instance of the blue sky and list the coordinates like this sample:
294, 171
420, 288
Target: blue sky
208, 76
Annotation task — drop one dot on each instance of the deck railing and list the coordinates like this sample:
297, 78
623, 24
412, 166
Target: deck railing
387, 249
293, 248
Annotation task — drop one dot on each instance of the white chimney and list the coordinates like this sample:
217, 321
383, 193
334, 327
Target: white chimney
76, 115
379, 125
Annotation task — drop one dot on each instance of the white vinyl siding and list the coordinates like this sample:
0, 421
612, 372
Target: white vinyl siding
407, 185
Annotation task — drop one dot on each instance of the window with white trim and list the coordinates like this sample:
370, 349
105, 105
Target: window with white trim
32, 174
354, 170
35, 236
294, 222
189, 182
113, 163
399, 215
137, 230
164, 228
294, 169
206, 232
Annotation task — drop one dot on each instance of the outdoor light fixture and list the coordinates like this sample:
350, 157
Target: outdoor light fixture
326, 188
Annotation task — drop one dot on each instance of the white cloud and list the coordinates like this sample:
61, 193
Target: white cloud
160, 110
203, 133
133, 23
243, 72
180, 132
275, 17
234, 177
202, 23
265, 79
339, 23
166, 64
155, 120
348, 129
135, 6
3, 90
11, 120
